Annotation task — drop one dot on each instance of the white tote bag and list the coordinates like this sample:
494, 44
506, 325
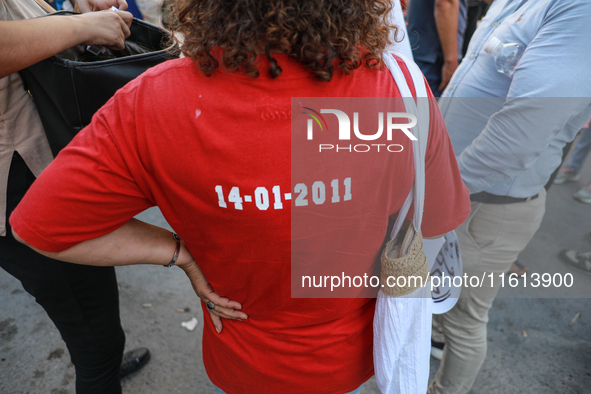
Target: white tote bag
402, 325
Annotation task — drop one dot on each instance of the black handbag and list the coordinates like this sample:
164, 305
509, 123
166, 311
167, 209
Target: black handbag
71, 86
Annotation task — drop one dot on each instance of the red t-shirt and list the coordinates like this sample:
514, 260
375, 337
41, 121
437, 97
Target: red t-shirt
182, 141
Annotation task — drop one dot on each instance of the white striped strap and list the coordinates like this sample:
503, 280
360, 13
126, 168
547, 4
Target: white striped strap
419, 108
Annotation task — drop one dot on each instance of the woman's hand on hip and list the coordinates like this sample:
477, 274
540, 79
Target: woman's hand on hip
223, 307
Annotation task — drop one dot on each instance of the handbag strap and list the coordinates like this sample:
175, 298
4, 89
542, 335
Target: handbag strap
420, 109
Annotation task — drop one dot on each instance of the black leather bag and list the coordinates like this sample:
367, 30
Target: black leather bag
71, 86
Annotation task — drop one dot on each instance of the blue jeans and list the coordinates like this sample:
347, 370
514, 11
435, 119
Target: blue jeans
581, 151
432, 72
358, 391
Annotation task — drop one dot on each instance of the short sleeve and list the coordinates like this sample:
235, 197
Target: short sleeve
88, 190
447, 200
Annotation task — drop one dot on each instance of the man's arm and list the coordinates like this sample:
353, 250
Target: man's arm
551, 87
446, 19
26, 42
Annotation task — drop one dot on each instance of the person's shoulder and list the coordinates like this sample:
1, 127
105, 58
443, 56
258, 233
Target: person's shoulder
170, 68
569, 8
401, 63
162, 79
160, 82
404, 67
569, 3
567, 22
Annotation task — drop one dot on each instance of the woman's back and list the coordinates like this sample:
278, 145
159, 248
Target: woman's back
273, 198
218, 156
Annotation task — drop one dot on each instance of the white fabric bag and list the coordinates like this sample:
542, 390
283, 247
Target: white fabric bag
402, 325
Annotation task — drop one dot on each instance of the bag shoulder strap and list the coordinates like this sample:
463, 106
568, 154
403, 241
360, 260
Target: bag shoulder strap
420, 109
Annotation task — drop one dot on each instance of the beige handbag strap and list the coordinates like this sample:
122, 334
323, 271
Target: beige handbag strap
420, 109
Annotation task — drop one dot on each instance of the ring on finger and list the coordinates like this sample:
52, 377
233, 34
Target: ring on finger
210, 305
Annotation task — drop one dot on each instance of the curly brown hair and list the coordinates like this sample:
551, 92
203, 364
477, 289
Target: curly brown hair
319, 34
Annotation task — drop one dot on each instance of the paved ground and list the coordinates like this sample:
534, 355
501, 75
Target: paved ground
553, 358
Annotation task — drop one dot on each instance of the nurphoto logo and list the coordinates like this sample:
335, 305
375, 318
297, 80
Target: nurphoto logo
391, 119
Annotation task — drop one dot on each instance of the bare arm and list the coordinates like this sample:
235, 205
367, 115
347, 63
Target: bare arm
446, 19
137, 242
26, 42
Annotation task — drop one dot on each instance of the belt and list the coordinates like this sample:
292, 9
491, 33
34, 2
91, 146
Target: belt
488, 198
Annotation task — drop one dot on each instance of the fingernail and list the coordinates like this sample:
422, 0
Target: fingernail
218, 330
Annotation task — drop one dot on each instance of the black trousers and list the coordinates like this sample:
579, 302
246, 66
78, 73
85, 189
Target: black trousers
82, 301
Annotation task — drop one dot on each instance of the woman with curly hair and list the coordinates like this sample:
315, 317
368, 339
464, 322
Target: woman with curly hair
207, 138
